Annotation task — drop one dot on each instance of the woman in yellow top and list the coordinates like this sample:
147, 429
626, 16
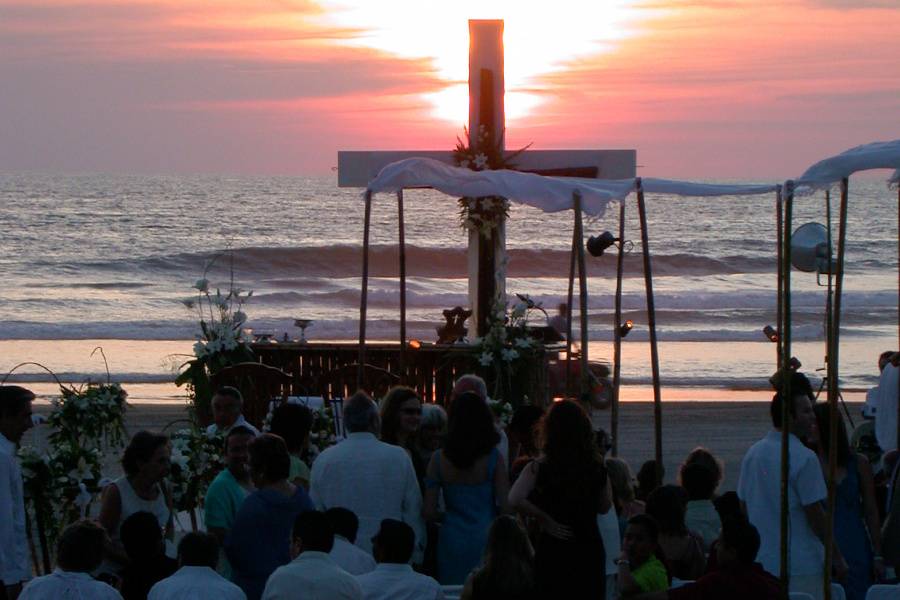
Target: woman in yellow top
640, 571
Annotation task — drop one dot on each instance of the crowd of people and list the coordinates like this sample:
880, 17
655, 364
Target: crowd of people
417, 500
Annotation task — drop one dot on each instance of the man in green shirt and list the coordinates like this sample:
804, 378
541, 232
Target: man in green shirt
227, 491
639, 569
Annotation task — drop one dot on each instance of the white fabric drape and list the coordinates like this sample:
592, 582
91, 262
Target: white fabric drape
550, 194
825, 173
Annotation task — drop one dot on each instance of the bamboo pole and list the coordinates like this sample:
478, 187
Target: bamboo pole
651, 325
785, 336
779, 210
584, 388
617, 345
364, 292
569, 300
401, 367
833, 384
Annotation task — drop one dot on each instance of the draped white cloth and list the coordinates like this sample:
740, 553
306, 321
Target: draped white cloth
825, 173
550, 194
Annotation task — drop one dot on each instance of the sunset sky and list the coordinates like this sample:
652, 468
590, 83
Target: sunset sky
701, 88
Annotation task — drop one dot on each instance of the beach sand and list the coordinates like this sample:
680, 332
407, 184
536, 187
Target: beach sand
724, 421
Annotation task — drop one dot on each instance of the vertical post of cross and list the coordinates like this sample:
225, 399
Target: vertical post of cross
487, 252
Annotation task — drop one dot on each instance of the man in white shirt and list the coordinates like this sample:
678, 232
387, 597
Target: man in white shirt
886, 406
394, 578
227, 404
759, 489
78, 552
373, 479
15, 420
345, 553
197, 578
312, 575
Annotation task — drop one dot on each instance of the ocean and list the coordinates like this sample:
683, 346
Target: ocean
107, 260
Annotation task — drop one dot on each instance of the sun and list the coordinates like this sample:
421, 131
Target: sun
540, 38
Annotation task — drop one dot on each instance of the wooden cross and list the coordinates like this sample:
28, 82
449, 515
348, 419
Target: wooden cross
487, 275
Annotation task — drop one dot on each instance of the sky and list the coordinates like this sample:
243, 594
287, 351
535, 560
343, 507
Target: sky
712, 89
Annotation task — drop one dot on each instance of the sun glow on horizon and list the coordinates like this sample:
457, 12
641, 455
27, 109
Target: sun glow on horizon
537, 41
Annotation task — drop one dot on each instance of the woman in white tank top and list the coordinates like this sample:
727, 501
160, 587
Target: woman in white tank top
146, 463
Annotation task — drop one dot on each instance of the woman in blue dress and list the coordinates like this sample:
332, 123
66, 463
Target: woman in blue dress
472, 476
857, 529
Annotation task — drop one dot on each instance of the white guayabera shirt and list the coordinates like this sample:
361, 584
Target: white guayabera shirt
375, 480
14, 566
68, 585
195, 583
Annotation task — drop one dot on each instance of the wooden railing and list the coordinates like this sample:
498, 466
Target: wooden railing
430, 369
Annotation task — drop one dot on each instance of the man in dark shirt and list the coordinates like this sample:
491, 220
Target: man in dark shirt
738, 576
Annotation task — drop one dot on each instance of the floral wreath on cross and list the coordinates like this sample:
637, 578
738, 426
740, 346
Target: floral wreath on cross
483, 214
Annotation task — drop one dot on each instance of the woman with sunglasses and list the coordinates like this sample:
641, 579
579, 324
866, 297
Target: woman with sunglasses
401, 414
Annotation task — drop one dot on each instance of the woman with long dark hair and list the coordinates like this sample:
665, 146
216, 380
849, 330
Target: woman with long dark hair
471, 473
564, 491
401, 415
857, 529
508, 570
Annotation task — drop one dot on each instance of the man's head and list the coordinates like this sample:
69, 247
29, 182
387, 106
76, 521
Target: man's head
80, 547
361, 414
226, 406
469, 383
641, 539
237, 451
15, 412
312, 532
799, 404
142, 536
344, 522
884, 358
198, 549
394, 542
269, 460
738, 542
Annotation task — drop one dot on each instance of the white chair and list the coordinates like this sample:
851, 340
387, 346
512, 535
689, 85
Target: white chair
800, 596
837, 592
883, 592
452, 592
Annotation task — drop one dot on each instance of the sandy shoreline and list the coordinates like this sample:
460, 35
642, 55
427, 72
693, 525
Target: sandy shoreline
728, 428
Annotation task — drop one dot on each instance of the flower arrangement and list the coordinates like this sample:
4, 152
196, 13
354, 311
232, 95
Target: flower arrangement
92, 416
196, 460
503, 411
221, 341
506, 349
485, 153
61, 483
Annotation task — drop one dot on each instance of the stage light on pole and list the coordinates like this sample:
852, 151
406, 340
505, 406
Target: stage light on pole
625, 328
597, 245
770, 333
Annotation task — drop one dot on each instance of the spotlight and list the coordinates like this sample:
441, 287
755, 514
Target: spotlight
597, 245
415, 344
770, 333
625, 328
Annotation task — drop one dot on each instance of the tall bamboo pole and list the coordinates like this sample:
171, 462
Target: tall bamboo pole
402, 240
785, 335
779, 209
576, 240
833, 387
651, 324
617, 345
582, 295
364, 292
